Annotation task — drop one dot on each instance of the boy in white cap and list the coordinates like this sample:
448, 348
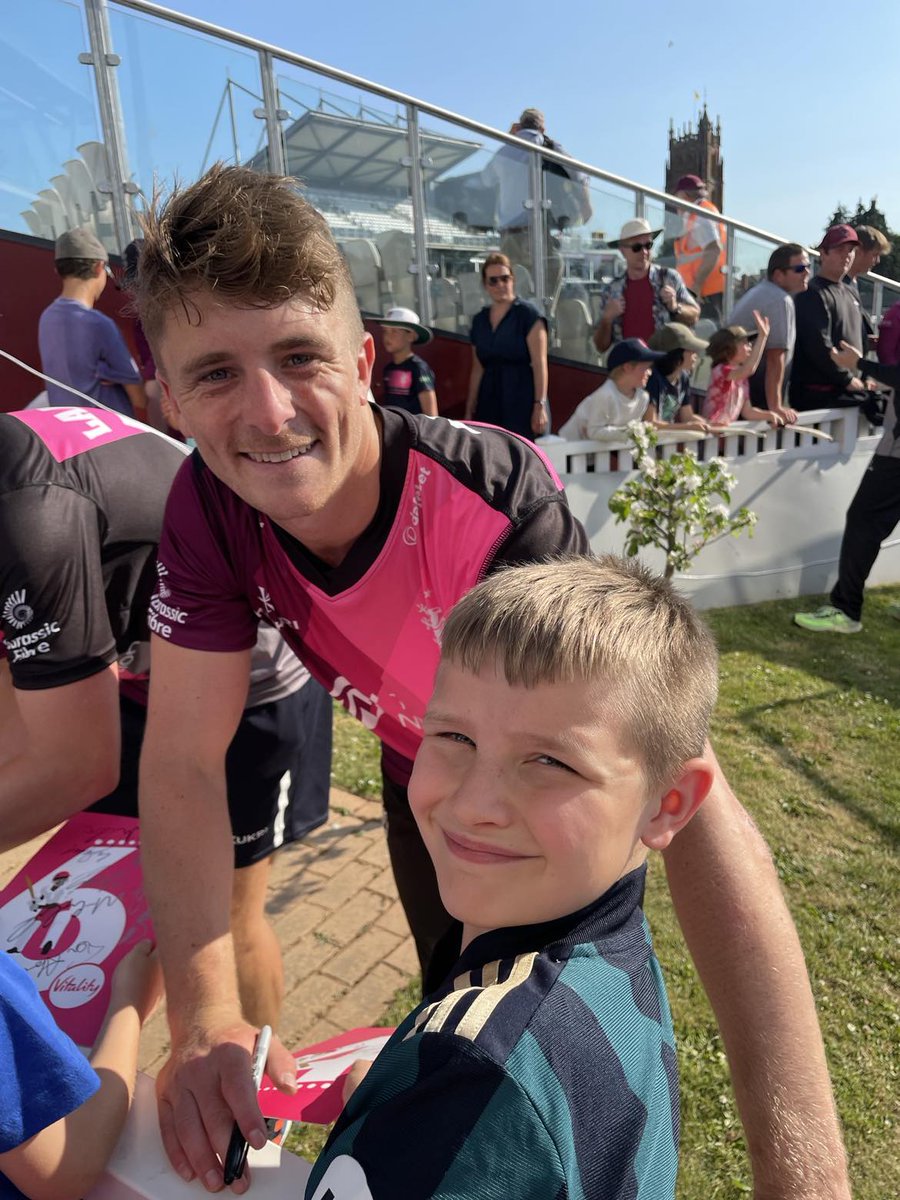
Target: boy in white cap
408, 381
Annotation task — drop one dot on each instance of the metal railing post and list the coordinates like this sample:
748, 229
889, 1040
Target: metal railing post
536, 204
419, 266
271, 114
728, 299
103, 61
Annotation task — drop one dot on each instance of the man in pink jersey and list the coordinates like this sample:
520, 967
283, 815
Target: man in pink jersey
354, 530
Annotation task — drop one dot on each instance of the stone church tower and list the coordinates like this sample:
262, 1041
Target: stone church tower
697, 153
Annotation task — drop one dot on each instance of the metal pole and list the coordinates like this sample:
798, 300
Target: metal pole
271, 114
234, 132
103, 60
417, 192
728, 299
538, 221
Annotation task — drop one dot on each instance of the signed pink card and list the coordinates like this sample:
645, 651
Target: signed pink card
320, 1073
71, 914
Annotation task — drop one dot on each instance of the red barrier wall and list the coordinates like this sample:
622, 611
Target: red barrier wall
29, 283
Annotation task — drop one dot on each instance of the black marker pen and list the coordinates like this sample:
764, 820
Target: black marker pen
236, 1155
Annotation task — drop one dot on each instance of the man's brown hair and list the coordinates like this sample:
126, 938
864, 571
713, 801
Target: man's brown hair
250, 238
606, 620
780, 258
870, 238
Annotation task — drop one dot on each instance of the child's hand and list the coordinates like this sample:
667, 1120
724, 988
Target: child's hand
762, 324
774, 418
697, 423
138, 980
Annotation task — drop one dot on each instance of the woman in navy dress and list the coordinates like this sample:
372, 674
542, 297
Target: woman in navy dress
508, 384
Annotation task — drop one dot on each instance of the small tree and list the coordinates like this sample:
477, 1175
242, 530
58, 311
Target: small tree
678, 504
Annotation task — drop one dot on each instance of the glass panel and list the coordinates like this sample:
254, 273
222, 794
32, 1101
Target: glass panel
53, 158
475, 192
751, 258
588, 261
351, 150
187, 101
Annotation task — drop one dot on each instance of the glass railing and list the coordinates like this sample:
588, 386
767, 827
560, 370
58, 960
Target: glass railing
107, 102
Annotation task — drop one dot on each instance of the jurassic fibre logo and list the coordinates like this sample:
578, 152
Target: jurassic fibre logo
16, 611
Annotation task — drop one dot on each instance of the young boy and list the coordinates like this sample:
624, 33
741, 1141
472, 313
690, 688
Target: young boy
563, 738
60, 1116
408, 381
604, 414
669, 385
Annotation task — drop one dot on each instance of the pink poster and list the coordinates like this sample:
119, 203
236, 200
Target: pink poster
320, 1074
71, 914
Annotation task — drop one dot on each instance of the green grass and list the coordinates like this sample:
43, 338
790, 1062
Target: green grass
808, 732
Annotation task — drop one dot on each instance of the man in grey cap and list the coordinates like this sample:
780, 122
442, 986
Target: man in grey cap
646, 297
80, 346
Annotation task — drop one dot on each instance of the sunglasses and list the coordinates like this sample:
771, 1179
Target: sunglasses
799, 268
637, 247
495, 279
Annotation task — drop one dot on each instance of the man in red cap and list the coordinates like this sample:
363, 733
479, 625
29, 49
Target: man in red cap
827, 314
700, 248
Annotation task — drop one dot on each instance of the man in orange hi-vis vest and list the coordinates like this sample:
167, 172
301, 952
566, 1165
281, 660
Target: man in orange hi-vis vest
700, 249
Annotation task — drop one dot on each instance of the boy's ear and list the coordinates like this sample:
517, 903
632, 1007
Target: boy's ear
679, 803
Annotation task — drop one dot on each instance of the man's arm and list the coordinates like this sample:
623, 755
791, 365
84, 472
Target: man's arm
59, 751
196, 700
742, 939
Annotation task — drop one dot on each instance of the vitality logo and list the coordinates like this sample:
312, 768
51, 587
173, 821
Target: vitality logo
16, 611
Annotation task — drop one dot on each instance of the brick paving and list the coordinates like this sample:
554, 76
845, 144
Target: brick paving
346, 945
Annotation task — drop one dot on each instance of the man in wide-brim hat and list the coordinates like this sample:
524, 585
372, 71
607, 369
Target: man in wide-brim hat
647, 296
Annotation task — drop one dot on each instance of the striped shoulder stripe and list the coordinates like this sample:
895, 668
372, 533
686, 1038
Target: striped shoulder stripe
473, 1001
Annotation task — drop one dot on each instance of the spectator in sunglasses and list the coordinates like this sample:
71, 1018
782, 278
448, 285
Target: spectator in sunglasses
786, 276
646, 297
508, 383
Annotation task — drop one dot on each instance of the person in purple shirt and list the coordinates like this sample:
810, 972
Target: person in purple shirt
80, 346
298, 507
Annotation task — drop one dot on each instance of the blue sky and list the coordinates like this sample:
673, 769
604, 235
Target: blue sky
805, 100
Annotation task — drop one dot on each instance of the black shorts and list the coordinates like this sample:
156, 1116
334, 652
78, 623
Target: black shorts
277, 771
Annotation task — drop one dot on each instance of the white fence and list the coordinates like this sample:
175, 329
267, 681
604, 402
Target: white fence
797, 483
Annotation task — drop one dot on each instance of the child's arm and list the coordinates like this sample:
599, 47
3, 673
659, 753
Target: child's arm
428, 402
65, 1160
749, 412
759, 345
690, 420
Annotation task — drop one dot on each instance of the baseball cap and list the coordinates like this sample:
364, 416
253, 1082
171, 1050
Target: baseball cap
80, 243
631, 350
690, 183
406, 318
676, 336
728, 336
838, 235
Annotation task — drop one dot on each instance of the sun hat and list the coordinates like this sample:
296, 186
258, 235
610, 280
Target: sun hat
634, 228
406, 318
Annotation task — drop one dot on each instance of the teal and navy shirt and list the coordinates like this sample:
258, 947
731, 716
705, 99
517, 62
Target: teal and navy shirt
542, 1069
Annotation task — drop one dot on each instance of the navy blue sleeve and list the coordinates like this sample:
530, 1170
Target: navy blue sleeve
44, 1075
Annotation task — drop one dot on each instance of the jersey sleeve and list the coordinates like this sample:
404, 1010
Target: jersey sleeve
549, 532
53, 617
198, 602
439, 1120
45, 1076
426, 379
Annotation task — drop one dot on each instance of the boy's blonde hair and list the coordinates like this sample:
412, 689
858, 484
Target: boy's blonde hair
250, 238
609, 620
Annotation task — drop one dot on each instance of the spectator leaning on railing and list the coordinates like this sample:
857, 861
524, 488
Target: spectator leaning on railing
786, 276
646, 297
